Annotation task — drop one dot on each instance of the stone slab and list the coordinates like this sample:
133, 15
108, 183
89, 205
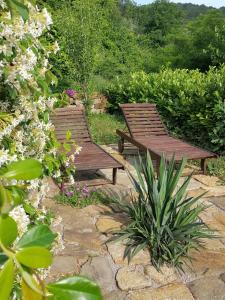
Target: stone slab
132, 277
116, 250
102, 270
175, 291
208, 288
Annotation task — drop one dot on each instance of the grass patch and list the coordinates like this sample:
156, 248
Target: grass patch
103, 127
216, 167
78, 196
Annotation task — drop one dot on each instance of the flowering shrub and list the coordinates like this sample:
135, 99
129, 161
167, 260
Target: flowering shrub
23, 256
25, 89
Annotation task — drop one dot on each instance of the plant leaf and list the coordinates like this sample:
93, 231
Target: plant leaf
39, 235
75, 288
35, 257
19, 7
6, 280
28, 293
23, 170
8, 230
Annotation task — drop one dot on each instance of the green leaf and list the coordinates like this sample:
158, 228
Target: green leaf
35, 257
6, 280
8, 230
39, 235
30, 280
3, 258
75, 288
28, 293
17, 194
19, 7
23, 170
6, 200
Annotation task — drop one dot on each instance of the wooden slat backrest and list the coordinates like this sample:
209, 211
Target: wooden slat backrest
71, 119
143, 120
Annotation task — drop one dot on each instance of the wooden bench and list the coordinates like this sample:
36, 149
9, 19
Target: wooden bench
92, 156
148, 133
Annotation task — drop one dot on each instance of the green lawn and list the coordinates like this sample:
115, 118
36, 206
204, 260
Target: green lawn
103, 127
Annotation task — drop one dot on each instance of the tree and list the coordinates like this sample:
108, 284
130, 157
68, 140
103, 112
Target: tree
163, 17
79, 25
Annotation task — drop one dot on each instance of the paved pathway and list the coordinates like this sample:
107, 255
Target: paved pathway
86, 231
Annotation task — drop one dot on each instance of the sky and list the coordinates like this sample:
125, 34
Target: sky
215, 3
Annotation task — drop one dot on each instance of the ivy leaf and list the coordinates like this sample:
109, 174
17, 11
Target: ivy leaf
39, 235
23, 170
28, 293
76, 287
8, 230
34, 257
19, 7
6, 280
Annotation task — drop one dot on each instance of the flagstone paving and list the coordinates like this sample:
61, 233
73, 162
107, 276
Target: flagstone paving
87, 250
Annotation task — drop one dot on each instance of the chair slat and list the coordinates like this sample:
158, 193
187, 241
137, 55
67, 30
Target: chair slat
143, 119
71, 119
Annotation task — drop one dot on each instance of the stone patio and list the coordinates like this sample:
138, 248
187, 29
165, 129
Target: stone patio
86, 231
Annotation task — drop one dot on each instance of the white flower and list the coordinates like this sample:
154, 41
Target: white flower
47, 17
21, 218
56, 47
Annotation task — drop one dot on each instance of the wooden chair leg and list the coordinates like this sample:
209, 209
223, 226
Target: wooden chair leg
121, 145
203, 165
114, 175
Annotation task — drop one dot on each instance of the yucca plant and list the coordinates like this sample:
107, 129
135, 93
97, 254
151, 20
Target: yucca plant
163, 218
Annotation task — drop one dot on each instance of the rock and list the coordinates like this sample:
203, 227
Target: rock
216, 191
198, 192
193, 184
166, 276
107, 224
205, 263
101, 270
62, 266
222, 277
96, 210
213, 244
174, 291
132, 277
218, 201
116, 250
207, 180
77, 220
208, 288
80, 255
116, 295
92, 242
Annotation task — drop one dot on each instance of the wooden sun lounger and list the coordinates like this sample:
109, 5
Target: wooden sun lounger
92, 156
148, 133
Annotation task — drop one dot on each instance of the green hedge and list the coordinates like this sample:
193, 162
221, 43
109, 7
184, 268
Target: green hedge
191, 103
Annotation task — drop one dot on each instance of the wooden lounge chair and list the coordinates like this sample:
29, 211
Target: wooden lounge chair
147, 132
92, 156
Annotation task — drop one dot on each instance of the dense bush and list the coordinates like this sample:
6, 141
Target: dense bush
191, 103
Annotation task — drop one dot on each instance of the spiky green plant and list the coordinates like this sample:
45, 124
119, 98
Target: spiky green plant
163, 218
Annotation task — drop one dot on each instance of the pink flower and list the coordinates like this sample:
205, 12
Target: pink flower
71, 93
